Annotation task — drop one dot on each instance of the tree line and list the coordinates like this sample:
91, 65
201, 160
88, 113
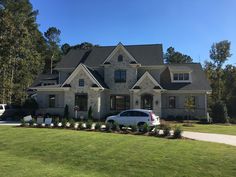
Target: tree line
24, 50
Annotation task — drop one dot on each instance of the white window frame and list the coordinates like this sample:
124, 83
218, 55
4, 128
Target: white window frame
181, 81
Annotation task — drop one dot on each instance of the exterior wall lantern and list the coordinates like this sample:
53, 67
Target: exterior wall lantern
156, 102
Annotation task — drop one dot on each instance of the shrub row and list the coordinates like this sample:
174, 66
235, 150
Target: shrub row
162, 130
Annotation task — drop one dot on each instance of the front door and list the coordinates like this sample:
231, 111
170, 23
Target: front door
147, 101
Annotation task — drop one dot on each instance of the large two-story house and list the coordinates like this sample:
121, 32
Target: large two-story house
114, 78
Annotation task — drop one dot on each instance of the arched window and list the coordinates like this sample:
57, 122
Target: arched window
120, 58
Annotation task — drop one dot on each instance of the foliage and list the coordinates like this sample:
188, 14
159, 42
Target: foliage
189, 105
98, 125
72, 123
90, 113
31, 104
166, 129
64, 122
56, 122
22, 49
134, 128
145, 128
66, 111
229, 89
32, 122
219, 54
115, 127
177, 132
89, 124
171, 56
52, 36
81, 126
219, 112
108, 127
65, 48
23, 123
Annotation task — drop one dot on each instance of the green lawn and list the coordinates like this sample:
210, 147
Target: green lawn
52, 152
210, 128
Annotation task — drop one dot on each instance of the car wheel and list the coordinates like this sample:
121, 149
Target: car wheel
111, 121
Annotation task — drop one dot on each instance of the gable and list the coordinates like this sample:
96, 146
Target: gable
123, 51
82, 72
147, 77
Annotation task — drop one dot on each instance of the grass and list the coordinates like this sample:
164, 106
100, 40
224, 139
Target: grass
210, 128
53, 152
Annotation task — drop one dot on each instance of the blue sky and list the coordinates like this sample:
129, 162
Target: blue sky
190, 26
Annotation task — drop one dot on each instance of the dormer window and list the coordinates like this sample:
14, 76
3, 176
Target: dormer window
120, 58
81, 82
181, 77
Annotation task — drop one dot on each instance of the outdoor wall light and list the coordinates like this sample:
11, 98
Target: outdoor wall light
136, 102
156, 102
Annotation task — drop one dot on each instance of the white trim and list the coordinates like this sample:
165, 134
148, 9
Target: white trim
180, 81
187, 91
146, 74
119, 46
50, 89
75, 72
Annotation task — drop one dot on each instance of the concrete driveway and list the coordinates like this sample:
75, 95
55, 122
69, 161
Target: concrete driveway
211, 137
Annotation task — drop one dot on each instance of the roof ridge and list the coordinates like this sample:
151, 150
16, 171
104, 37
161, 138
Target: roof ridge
126, 45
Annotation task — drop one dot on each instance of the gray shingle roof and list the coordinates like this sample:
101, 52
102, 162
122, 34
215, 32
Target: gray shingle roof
144, 54
98, 77
44, 77
199, 80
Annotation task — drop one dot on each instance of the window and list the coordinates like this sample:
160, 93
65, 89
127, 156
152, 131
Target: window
126, 114
171, 101
139, 114
181, 76
186, 76
120, 58
120, 76
134, 114
81, 100
1, 107
81, 82
52, 101
119, 102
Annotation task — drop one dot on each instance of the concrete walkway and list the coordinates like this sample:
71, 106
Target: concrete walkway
13, 123
211, 137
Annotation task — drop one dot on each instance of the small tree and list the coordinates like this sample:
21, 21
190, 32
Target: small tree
90, 113
219, 112
66, 112
189, 105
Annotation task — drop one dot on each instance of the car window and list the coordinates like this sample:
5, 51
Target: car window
139, 114
1, 107
127, 113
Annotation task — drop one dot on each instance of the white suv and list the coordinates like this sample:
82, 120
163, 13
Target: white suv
135, 117
2, 109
